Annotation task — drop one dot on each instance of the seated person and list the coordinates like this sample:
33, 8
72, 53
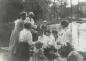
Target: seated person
44, 26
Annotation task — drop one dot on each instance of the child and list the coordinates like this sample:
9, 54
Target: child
38, 52
50, 51
25, 43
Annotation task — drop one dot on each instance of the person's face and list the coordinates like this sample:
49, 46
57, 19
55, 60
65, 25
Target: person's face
31, 16
45, 23
48, 33
40, 33
19, 27
23, 17
63, 26
55, 35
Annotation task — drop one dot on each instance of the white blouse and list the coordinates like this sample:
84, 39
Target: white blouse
28, 20
65, 36
25, 36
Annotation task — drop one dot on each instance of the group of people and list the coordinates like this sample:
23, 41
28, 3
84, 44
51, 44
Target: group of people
46, 45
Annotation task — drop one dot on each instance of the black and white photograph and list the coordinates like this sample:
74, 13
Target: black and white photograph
42, 30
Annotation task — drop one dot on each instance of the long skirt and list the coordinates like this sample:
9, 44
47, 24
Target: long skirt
65, 50
50, 53
38, 57
23, 51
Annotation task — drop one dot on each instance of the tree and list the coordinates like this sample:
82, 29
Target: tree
10, 10
58, 9
39, 7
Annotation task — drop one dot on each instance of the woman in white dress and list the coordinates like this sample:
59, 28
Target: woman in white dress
14, 39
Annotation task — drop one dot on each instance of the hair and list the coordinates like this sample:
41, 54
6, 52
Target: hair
47, 31
22, 14
39, 45
65, 23
31, 14
19, 26
27, 25
40, 31
54, 32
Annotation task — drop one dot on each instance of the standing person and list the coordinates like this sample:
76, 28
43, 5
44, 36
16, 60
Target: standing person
29, 19
15, 33
20, 19
40, 35
44, 26
25, 43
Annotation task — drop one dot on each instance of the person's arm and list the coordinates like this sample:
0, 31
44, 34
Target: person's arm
41, 26
29, 38
58, 41
33, 22
11, 38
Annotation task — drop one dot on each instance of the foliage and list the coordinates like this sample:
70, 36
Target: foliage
39, 7
10, 9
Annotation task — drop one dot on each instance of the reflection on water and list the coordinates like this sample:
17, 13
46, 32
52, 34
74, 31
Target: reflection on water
3, 54
2, 58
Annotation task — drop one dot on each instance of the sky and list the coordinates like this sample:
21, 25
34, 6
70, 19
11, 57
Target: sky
74, 2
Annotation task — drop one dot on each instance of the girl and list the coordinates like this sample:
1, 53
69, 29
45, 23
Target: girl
25, 43
38, 52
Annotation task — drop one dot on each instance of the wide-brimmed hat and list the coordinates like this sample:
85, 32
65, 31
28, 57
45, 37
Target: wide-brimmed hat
22, 14
45, 21
31, 13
